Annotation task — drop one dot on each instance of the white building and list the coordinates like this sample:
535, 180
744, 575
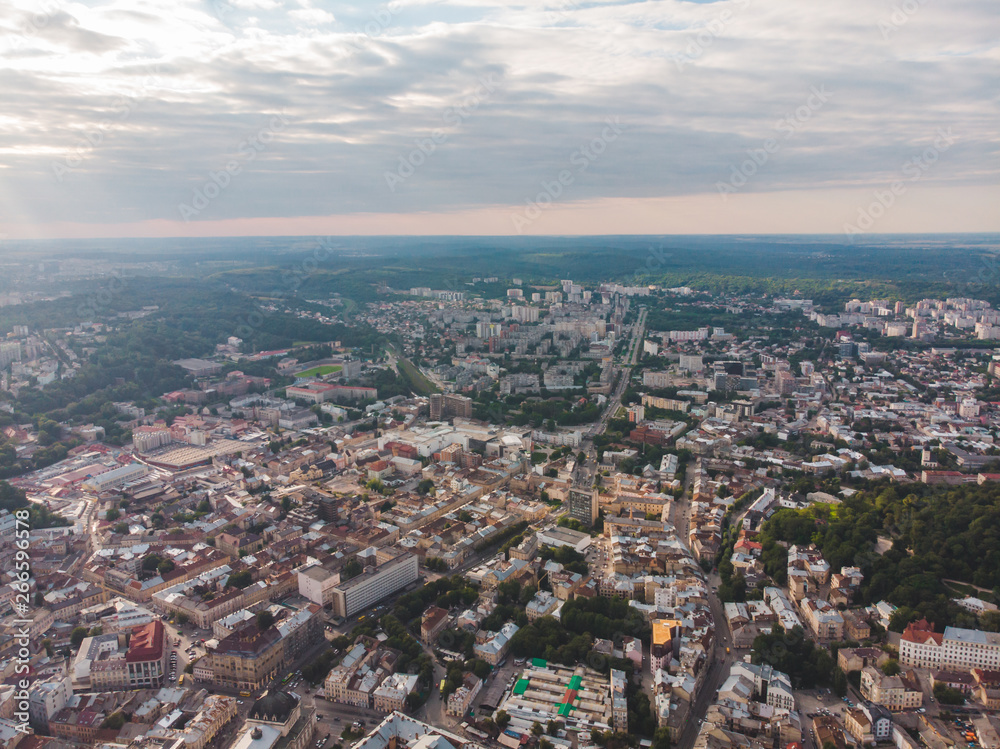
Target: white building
748, 679
48, 697
317, 583
116, 478
691, 363
460, 700
962, 648
375, 583
391, 694
975, 605
495, 648
656, 379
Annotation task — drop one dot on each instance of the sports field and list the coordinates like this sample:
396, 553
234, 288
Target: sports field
320, 371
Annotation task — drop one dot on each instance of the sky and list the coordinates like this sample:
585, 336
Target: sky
266, 117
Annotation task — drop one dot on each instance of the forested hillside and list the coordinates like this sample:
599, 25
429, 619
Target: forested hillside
937, 534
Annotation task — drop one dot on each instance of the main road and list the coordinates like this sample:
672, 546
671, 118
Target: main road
720, 660
584, 475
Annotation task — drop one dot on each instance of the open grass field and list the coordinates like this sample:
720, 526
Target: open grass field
320, 371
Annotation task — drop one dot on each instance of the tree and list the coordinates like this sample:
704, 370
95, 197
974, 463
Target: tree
502, 719
77, 636
182, 618
480, 668
353, 568
900, 618
890, 667
240, 579
661, 738
796, 655
991, 621
839, 682
114, 721
536, 729
435, 563
264, 620
112, 515
948, 695
167, 565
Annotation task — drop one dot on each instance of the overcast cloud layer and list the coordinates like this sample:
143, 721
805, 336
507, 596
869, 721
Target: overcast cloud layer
121, 112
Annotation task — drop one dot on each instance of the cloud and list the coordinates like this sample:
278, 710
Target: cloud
315, 16
64, 34
696, 86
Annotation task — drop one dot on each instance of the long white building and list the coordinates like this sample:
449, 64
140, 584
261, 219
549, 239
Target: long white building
922, 647
116, 477
374, 584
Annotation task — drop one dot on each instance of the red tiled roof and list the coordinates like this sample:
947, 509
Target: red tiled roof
146, 643
922, 632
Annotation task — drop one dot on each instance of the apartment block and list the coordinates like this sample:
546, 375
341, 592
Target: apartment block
445, 406
896, 693
461, 699
583, 505
248, 658
375, 583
